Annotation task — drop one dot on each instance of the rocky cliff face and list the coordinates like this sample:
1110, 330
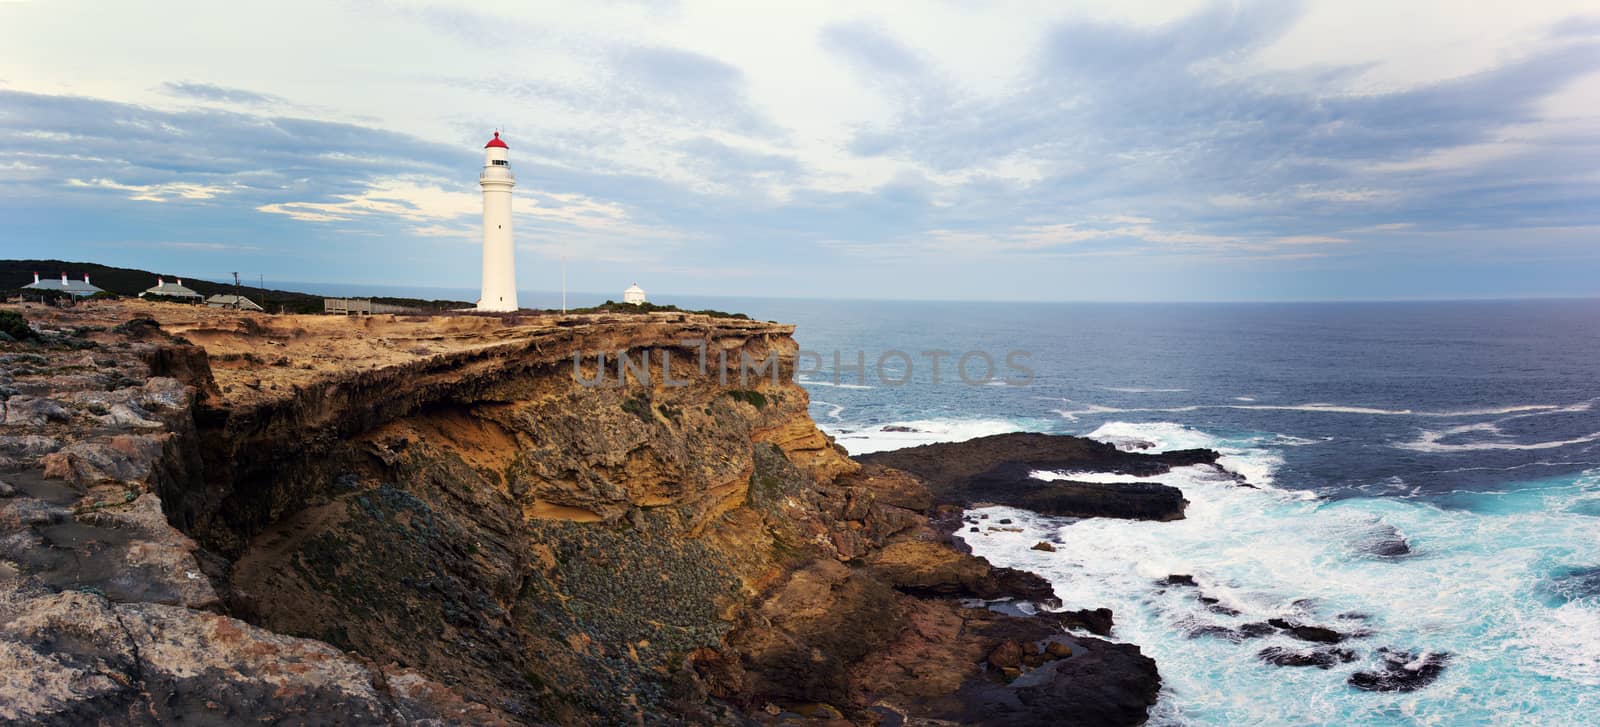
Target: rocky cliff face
456, 526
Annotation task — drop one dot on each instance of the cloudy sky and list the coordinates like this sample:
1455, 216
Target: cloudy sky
958, 150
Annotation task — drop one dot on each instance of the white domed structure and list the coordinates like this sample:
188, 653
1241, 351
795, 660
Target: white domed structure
634, 294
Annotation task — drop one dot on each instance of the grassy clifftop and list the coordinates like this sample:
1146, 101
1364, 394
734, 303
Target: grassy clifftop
131, 281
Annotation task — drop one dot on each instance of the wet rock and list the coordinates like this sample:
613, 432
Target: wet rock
1097, 621
1007, 654
1214, 605
1384, 541
1318, 634
1178, 580
1401, 671
1044, 546
1256, 630
1321, 658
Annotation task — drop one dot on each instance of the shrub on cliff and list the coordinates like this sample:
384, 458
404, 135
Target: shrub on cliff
612, 306
14, 325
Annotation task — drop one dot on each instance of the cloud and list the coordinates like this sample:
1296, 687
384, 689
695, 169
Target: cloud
222, 94
834, 145
154, 192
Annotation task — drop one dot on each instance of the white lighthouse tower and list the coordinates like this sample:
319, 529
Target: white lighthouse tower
499, 268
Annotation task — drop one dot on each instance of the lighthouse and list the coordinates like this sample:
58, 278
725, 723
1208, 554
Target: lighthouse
499, 267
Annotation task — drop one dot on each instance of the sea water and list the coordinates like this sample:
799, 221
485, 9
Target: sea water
1468, 431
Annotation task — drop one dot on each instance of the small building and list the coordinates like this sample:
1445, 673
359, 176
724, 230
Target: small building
634, 295
363, 307
164, 289
75, 288
235, 302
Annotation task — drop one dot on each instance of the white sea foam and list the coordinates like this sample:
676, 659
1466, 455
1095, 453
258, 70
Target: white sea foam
807, 381
1109, 478
834, 410
874, 438
1563, 645
1468, 589
1429, 442
1244, 457
1516, 411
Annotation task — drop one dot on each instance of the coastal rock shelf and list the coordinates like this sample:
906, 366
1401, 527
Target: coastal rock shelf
998, 470
223, 517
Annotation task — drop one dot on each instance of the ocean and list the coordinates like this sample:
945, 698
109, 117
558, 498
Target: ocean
1471, 430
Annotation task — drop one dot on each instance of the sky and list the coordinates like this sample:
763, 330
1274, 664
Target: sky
960, 150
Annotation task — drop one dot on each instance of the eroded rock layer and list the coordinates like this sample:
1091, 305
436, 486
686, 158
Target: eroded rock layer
205, 519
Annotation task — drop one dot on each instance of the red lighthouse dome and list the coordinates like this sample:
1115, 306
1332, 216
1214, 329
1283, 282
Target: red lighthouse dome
496, 142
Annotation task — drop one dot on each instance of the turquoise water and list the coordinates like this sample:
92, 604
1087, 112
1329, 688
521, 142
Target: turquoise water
1469, 430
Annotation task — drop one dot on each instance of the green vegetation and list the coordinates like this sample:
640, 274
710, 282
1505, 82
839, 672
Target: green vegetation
639, 408
14, 325
130, 282
753, 398
612, 306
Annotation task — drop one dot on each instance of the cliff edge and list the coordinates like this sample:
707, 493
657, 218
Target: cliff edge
221, 516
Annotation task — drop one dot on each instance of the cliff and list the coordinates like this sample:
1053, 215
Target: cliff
219, 516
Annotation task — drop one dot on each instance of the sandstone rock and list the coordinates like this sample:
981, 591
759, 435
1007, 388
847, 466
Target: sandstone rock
1044, 546
1006, 654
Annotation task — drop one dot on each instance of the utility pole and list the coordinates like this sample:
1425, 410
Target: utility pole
235, 305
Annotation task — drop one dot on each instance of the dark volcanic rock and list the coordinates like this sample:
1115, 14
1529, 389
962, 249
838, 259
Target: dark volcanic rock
995, 470
1401, 671
1317, 634
1256, 630
1096, 621
1178, 580
1124, 685
1320, 658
